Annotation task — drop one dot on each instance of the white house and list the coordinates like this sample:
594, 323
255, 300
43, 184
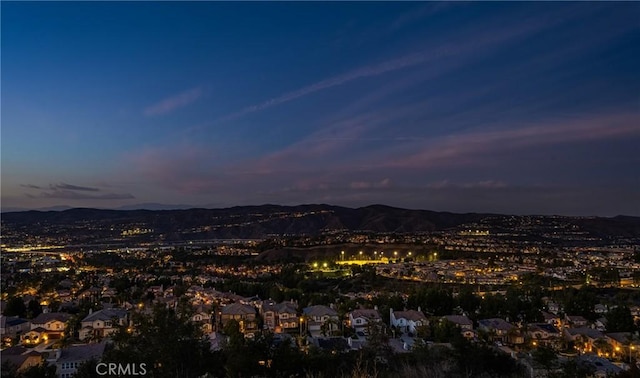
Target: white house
102, 323
68, 360
45, 327
407, 321
53, 321
11, 326
203, 316
360, 319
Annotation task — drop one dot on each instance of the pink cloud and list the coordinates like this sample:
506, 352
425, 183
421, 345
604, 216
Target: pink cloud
174, 102
320, 144
180, 168
384, 183
485, 184
466, 148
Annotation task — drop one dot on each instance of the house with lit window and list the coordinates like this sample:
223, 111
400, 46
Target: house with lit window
280, 317
463, 323
67, 360
360, 320
623, 343
34, 336
102, 323
407, 321
584, 338
501, 330
20, 357
53, 321
11, 326
202, 316
544, 334
46, 327
244, 314
320, 318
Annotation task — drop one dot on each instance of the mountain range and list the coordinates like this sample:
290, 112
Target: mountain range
256, 222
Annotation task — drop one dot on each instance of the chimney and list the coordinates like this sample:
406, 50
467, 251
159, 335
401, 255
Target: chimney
90, 311
375, 307
419, 309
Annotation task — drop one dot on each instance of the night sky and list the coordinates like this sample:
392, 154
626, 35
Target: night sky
522, 108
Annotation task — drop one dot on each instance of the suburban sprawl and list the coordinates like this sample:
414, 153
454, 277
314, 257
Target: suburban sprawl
318, 291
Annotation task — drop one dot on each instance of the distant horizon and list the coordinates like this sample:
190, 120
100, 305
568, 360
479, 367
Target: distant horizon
169, 207
501, 107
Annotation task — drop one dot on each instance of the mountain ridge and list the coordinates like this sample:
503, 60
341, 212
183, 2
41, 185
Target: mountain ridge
88, 225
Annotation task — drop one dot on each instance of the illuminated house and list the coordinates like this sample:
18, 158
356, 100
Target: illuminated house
501, 330
45, 327
319, 315
202, 316
244, 314
544, 334
281, 317
584, 338
102, 323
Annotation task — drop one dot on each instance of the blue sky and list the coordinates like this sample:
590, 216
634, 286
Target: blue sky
527, 108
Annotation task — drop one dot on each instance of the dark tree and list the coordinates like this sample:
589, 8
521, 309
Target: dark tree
87, 370
545, 356
15, 307
34, 308
574, 369
167, 341
580, 302
468, 301
39, 371
619, 319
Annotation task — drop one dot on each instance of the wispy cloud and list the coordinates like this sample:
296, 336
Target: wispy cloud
69, 194
485, 184
418, 14
385, 183
484, 41
174, 102
183, 167
31, 186
368, 71
466, 148
74, 192
64, 186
